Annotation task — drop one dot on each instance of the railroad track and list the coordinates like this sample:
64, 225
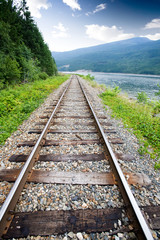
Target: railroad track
71, 123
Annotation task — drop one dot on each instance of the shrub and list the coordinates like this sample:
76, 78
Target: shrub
142, 97
89, 77
156, 109
111, 91
43, 75
10, 71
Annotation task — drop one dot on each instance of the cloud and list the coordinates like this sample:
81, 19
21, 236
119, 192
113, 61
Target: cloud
153, 37
73, 4
98, 8
36, 5
60, 31
106, 34
155, 23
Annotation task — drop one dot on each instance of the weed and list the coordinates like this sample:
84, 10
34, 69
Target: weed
142, 150
157, 165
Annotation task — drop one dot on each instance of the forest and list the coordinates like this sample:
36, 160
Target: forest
24, 56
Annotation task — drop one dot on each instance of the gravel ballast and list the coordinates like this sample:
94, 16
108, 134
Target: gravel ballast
62, 196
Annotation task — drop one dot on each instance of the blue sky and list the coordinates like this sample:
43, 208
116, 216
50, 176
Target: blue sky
71, 24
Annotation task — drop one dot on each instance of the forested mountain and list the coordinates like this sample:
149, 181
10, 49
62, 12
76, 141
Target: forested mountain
136, 55
24, 56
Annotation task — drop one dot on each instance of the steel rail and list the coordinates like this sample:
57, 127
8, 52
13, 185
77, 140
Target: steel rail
7, 210
134, 213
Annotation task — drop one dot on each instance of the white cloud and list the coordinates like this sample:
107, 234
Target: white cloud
98, 8
36, 5
60, 31
155, 23
73, 4
153, 37
106, 34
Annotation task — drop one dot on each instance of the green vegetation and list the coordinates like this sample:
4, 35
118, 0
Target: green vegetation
17, 102
138, 116
24, 56
89, 77
142, 97
157, 105
158, 93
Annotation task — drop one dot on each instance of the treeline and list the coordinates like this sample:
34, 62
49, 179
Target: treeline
24, 56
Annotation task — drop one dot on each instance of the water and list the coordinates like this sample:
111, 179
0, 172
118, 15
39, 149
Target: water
128, 83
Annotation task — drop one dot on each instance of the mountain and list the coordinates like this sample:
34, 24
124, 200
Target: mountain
136, 55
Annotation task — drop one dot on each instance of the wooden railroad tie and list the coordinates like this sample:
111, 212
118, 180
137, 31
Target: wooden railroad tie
66, 124
87, 220
68, 116
59, 158
80, 178
54, 131
31, 143
68, 157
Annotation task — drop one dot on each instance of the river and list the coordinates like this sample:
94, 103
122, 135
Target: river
128, 83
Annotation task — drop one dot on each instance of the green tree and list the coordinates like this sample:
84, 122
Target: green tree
22, 45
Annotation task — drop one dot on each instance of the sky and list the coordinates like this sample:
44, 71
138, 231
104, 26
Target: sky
71, 24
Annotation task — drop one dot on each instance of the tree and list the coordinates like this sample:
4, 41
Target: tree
22, 45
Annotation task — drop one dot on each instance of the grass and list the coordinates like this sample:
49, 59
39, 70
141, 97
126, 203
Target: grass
19, 101
138, 116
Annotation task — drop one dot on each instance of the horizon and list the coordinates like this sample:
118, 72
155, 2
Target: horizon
68, 25
105, 44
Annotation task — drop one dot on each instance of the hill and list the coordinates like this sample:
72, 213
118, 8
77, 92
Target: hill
136, 55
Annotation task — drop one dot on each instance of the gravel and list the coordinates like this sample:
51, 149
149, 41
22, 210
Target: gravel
35, 196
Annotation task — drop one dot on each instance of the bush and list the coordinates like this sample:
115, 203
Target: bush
43, 75
89, 77
111, 91
10, 71
156, 109
142, 97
